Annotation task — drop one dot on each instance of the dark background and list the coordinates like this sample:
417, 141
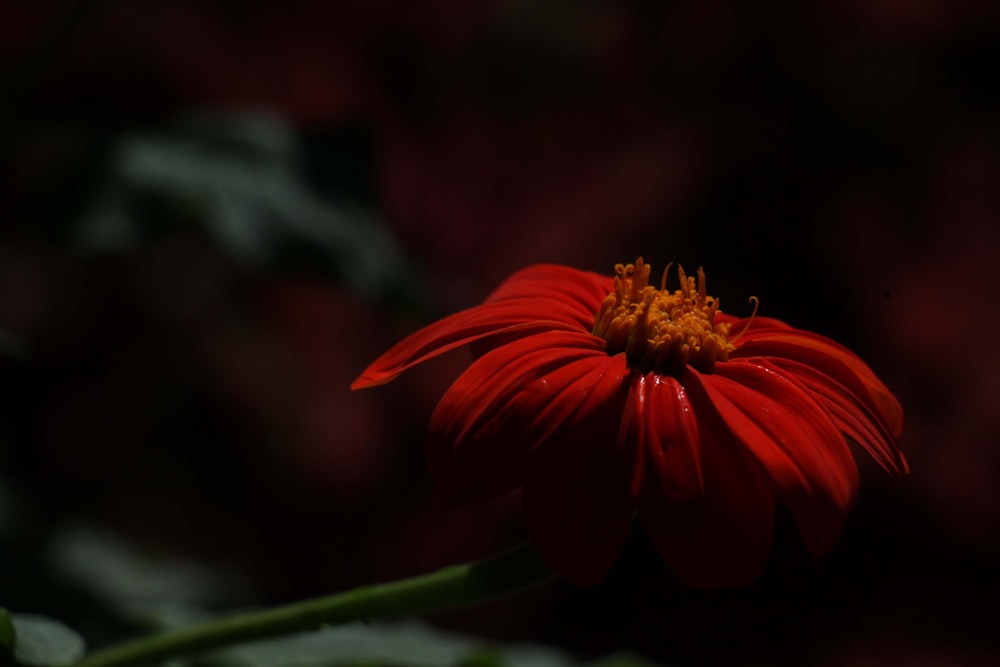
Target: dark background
291, 188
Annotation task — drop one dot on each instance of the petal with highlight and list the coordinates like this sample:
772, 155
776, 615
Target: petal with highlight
575, 295
514, 318
511, 400
583, 289
722, 539
794, 440
577, 502
831, 359
659, 419
849, 413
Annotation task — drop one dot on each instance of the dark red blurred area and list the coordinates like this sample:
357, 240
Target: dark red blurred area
840, 161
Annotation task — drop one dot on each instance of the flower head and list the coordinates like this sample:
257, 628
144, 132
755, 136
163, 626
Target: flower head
606, 399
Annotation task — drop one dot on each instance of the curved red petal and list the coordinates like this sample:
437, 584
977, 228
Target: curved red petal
579, 295
577, 503
722, 539
850, 414
659, 419
831, 359
583, 289
513, 317
794, 440
510, 400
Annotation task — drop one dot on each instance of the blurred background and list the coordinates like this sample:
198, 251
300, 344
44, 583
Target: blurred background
214, 215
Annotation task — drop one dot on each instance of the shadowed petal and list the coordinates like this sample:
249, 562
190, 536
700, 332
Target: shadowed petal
722, 539
511, 400
577, 502
829, 358
849, 413
659, 418
794, 440
513, 318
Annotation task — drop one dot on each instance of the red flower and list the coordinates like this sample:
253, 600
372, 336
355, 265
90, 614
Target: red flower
606, 399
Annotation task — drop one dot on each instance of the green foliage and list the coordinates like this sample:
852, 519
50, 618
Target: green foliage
399, 644
237, 180
39, 641
139, 587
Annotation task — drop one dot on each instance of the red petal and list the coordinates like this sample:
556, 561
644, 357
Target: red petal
584, 289
577, 503
724, 538
510, 400
831, 359
522, 317
793, 438
850, 414
659, 419
577, 296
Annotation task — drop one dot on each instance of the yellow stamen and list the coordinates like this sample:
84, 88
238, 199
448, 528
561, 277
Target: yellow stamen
659, 330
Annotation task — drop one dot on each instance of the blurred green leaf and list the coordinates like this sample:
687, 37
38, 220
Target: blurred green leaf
410, 644
236, 177
141, 586
40, 641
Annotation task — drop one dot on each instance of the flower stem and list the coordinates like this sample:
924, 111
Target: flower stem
449, 587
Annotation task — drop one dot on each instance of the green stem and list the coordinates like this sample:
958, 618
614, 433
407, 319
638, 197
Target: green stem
452, 586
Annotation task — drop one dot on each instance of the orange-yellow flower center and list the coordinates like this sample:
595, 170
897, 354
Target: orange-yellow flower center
659, 330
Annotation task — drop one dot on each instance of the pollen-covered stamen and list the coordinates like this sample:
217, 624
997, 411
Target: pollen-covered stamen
659, 330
